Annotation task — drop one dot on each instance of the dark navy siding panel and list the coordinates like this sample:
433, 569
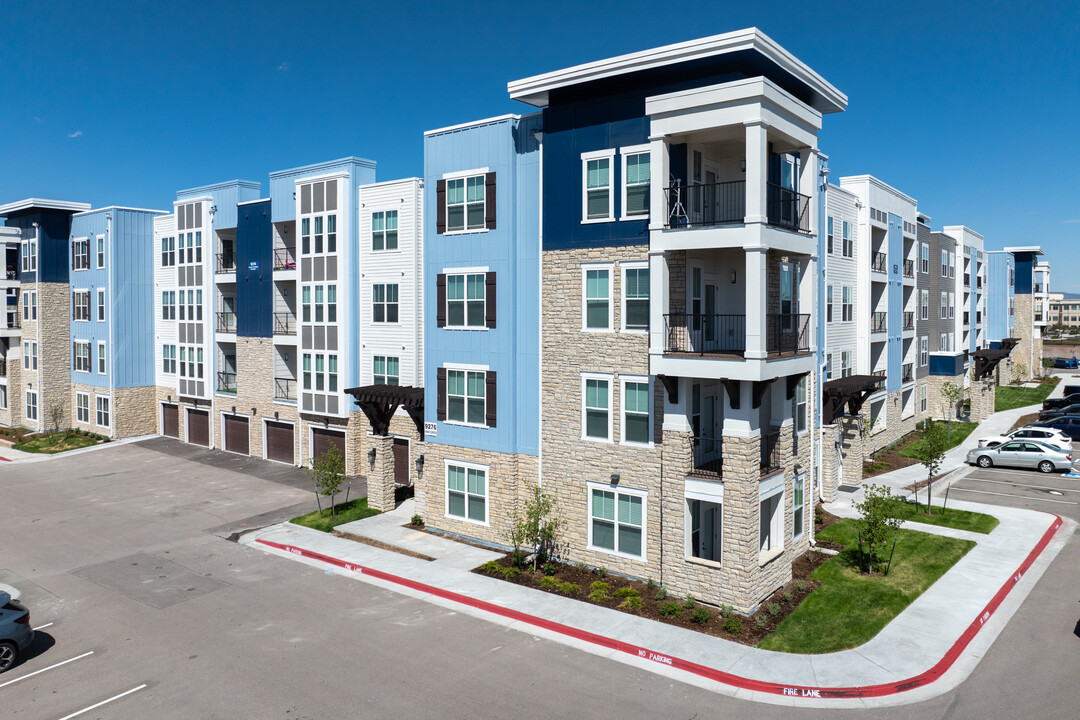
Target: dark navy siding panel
254, 271
54, 228
1025, 272
946, 364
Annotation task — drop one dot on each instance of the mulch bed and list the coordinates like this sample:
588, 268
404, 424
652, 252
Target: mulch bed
1025, 420
752, 629
887, 459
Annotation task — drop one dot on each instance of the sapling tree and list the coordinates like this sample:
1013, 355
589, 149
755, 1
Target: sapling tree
931, 455
327, 473
55, 415
878, 522
536, 526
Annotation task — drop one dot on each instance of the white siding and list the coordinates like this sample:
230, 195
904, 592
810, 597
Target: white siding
165, 332
841, 271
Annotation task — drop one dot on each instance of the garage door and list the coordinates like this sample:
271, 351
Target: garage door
321, 439
236, 434
279, 442
170, 420
401, 461
198, 427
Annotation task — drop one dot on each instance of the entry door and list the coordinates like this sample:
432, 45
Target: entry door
401, 461
711, 210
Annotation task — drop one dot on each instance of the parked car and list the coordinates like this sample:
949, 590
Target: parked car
1022, 454
1073, 409
1050, 436
1068, 424
1055, 403
1066, 362
15, 631
1070, 390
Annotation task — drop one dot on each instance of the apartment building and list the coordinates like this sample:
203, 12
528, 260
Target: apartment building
1027, 278
111, 299
1041, 295
1063, 311
35, 347
949, 356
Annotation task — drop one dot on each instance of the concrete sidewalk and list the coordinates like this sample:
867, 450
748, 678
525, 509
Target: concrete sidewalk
927, 650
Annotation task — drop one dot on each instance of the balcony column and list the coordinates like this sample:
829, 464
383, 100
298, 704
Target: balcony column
808, 183
756, 284
808, 295
660, 301
659, 172
757, 171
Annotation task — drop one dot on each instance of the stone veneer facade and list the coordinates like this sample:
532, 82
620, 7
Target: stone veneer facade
981, 394
132, 411
52, 379
1027, 355
936, 404
896, 426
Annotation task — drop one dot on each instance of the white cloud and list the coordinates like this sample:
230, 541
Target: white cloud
37, 119
283, 67
75, 134
1073, 220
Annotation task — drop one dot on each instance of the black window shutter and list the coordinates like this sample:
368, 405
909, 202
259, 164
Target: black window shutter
440, 389
440, 300
440, 207
489, 300
489, 201
490, 398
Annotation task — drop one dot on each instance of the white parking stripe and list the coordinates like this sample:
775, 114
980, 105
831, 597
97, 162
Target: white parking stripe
1006, 482
103, 702
65, 662
1022, 497
42, 627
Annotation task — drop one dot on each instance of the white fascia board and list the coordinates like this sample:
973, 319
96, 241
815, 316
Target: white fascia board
120, 207
1035, 249
833, 188
535, 90
217, 186
330, 164
405, 182
252, 202
30, 203
478, 123
878, 184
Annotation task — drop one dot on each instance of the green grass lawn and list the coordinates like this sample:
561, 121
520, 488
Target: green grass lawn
958, 519
346, 512
959, 432
849, 608
55, 443
1010, 397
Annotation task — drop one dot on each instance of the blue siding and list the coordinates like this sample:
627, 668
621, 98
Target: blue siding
283, 182
947, 364
974, 334
225, 197
54, 262
90, 225
895, 318
823, 189
999, 324
254, 271
1025, 272
509, 149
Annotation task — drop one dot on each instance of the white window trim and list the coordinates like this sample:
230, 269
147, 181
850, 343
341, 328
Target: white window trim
457, 175
610, 267
447, 462
703, 491
624, 153
97, 358
101, 315
467, 368
75, 241
610, 378
623, 379
86, 396
617, 489
104, 252
624, 266
77, 291
585, 158
769, 488
795, 407
795, 536
108, 399
466, 272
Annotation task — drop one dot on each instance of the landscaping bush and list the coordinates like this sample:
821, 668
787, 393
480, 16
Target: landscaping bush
773, 608
632, 602
417, 521
511, 572
670, 608
492, 568
788, 597
569, 588
800, 585
690, 602
549, 583
661, 593
726, 611
700, 615
600, 592
733, 625
550, 568
626, 592
601, 572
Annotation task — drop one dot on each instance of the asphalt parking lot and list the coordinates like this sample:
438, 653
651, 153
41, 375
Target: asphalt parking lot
1051, 492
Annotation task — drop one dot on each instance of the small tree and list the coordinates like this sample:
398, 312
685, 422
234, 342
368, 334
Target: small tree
877, 523
951, 393
54, 416
1048, 363
537, 526
328, 473
1021, 373
931, 455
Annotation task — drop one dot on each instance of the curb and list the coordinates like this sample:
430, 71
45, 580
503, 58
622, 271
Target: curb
734, 681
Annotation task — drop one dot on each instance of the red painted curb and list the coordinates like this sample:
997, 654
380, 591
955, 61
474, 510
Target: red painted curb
805, 691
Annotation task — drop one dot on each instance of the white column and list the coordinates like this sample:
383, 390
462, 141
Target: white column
659, 172
808, 295
659, 301
755, 302
757, 171
808, 184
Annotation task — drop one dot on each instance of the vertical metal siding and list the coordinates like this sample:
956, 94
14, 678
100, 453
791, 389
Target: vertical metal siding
254, 271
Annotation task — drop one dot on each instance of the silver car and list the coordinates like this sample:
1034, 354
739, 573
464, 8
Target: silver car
1022, 454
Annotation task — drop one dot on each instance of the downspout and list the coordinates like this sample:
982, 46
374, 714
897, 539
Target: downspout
210, 318
539, 135
39, 357
109, 333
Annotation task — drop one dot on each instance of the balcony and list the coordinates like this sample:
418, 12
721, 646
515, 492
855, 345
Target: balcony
284, 388
879, 322
909, 268
226, 382
787, 209
908, 372
226, 263
226, 322
879, 262
967, 317
724, 203
720, 335
978, 282
978, 317
770, 452
10, 321
1038, 288
284, 258
284, 323
909, 320
967, 280
787, 334
708, 462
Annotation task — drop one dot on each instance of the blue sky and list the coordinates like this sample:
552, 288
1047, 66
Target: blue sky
973, 108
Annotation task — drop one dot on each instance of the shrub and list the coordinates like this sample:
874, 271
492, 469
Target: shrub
690, 603
417, 520
773, 608
626, 592
599, 596
788, 597
569, 588
800, 585
601, 586
518, 558
759, 621
700, 615
510, 572
550, 568
650, 584
601, 572
582, 567
632, 602
819, 514
670, 608
726, 611
733, 625
492, 568
549, 583
661, 592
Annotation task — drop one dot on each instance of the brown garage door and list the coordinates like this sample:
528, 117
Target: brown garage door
198, 427
236, 434
321, 439
170, 420
279, 442
401, 461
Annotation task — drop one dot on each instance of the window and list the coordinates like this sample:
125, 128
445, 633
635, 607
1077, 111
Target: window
924, 304
100, 251
80, 356
800, 406
828, 303
944, 306
828, 367
846, 304
952, 305
82, 407
465, 300
384, 298
194, 305
466, 492
30, 356
384, 230
465, 204
771, 517
31, 405
318, 217
829, 236
101, 305
386, 370
705, 525
636, 175
944, 342
596, 408
924, 351
924, 258
102, 418
617, 521
102, 367
80, 305
331, 373
952, 264
80, 254
3, 397
922, 402
597, 287
798, 505
168, 304
30, 305
168, 359
635, 297
465, 396
168, 251
849, 246
635, 407
29, 254
845, 364
596, 190
944, 263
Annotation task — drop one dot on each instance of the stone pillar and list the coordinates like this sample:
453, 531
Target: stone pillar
982, 399
742, 476
380, 480
852, 453
830, 462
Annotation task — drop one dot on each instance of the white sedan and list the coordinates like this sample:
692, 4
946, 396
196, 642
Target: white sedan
1050, 436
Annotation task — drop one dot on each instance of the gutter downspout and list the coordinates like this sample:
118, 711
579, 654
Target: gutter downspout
110, 333
539, 135
39, 357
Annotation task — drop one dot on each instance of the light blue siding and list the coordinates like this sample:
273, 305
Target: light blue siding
283, 182
999, 323
974, 334
226, 195
895, 318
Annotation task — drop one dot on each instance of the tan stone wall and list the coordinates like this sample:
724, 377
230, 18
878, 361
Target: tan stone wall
830, 462
982, 399
936, 405
1026, 365
853, 451
380, 479
12, 415
896, 426
54, 349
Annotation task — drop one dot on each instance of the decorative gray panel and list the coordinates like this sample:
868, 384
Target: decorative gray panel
320, 403
183, 333
320, 267
202, 388
307, 402
331, 268
331, 195
332, 404
198, 276
320, 337
331, 337
198, 333
305, 337
305, 269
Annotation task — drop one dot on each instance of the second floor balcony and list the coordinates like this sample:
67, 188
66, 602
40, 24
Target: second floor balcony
724, 203
10, 321
723, 334
226, 322
909, 268
909, 320
226, 382
226, 262
284, 258
284, 388
879, 262
879, 322
284, 323
967, 318
907, 372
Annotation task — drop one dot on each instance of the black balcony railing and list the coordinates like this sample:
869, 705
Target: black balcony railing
909, 320
967, 280
787, 209
12, 273
967, 318
879, 322
284, 323
707, 457
908, 372
284, 258
879, 262
787, 334
226, 321
226, 262
284, 388
226, 382
705, 205
702, 334
909, 268
11, 321
770, 451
